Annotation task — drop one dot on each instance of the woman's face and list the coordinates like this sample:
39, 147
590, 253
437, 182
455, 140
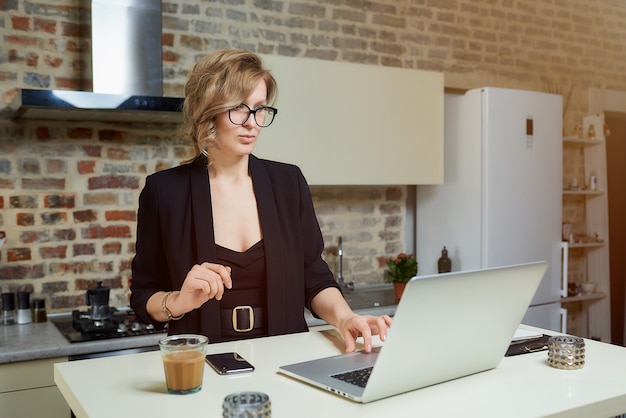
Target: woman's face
239, 140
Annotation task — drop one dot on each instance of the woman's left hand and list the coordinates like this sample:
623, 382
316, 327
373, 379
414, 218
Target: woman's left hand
331, 306
364, 326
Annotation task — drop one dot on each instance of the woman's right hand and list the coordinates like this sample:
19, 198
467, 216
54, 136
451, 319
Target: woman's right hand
203, 282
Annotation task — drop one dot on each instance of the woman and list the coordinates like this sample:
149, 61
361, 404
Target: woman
228, 245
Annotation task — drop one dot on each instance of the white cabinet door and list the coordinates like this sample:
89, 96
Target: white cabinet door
356, 124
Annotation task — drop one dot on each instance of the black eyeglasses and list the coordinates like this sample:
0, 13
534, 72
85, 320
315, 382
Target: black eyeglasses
263, 115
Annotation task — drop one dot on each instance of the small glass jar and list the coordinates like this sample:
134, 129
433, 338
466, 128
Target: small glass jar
8, 316
39, 310
24, 315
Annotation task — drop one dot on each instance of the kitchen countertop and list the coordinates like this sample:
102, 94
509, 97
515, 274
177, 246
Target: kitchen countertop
23, 342
43, 340
520, 386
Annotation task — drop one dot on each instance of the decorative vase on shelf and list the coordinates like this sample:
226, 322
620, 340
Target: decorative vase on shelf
444, 264
401, 270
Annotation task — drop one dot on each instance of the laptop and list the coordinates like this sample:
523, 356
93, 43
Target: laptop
446, 326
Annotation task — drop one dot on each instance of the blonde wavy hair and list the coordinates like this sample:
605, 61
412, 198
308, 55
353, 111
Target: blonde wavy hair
218, 82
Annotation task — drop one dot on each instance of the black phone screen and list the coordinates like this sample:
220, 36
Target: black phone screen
229, 363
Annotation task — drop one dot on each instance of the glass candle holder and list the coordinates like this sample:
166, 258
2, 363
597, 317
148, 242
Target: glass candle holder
247, 405
566, 352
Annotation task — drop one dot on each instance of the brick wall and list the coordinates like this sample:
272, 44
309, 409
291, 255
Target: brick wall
68, 190
69, 203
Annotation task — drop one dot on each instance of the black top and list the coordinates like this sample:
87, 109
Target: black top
249, 285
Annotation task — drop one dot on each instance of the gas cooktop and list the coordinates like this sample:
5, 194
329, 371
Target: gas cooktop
82, 327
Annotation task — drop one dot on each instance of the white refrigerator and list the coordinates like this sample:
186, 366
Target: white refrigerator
500, 203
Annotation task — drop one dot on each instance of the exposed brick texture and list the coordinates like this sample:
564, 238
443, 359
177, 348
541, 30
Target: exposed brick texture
68, 190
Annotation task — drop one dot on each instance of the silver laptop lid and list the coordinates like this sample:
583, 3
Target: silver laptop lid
452, 325
446, 326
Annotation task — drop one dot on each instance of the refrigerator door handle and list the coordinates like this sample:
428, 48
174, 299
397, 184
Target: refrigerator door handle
563, 320
564, 257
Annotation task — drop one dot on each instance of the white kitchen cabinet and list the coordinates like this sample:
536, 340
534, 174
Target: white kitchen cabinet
355, 124
27, 390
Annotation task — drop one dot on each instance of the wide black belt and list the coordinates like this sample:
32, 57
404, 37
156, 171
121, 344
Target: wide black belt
242, 318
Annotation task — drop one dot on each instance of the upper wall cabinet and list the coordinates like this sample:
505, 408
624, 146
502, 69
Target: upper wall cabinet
356, 124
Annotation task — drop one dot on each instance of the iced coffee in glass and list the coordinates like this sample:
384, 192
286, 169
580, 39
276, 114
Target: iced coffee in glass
183, 361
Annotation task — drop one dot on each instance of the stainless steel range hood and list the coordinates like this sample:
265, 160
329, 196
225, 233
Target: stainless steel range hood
82, 105
127, 74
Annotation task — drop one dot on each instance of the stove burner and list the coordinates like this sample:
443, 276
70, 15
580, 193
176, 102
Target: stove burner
85, 324
82, 327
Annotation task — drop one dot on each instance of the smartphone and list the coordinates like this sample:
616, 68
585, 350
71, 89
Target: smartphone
228, 363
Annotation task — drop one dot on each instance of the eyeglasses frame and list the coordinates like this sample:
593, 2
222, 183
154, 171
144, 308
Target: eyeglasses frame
253, 112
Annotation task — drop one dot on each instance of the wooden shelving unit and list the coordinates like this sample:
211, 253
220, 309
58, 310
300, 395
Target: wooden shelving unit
592, 311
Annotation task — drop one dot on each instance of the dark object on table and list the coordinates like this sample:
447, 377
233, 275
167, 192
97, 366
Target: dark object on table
528, 346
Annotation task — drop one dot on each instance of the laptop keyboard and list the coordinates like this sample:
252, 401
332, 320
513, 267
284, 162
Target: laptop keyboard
356, 377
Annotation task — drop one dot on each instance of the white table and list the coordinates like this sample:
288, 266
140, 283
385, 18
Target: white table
521, 386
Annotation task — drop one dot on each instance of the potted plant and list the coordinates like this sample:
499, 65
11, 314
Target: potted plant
401, 270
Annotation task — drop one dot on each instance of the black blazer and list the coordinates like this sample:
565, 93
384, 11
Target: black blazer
175, 231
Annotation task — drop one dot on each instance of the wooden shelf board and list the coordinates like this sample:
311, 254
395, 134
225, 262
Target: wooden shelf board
581, 141
587, 245
584, 297
583, 192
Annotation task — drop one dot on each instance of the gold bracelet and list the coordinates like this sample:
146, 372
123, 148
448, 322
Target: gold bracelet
166, 311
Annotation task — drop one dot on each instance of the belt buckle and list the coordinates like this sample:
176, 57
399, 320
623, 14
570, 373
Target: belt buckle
250, 318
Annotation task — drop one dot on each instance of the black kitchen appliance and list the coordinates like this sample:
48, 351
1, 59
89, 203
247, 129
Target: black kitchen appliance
98, 302
101, 321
